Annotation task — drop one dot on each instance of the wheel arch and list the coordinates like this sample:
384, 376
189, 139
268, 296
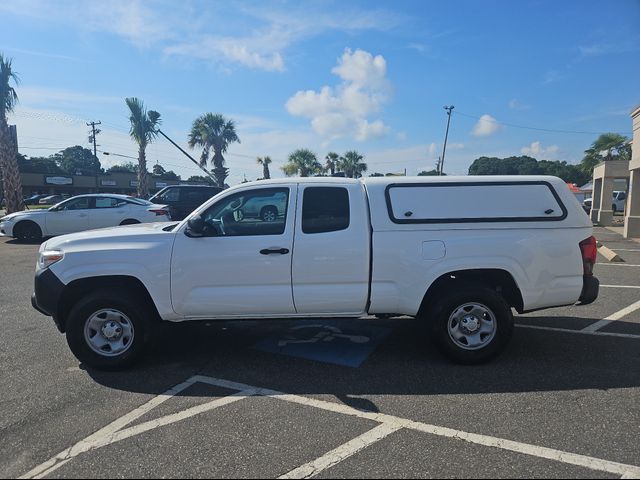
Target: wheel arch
26, 221
82, 286
497, 279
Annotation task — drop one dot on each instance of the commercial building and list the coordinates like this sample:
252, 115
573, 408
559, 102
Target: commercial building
125, 183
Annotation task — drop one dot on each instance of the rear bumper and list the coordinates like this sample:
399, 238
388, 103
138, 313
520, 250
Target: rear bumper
590, 290
47, 294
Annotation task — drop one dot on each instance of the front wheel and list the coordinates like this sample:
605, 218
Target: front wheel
106, 330
472, 325
269, 214
28, 231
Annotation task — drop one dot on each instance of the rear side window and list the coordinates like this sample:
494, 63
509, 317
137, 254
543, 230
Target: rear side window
472, 202
325, 209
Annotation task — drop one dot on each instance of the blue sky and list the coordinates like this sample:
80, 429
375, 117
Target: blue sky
329, 76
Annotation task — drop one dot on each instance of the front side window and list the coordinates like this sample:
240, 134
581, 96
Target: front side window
325, 209
76, 204
171, 195
253, 212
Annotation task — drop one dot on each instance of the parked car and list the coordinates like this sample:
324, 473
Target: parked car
456, 252
84, 212
618, 204
184, 199
51, 200
35, 199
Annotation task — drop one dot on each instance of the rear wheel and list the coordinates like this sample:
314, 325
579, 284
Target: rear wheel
614, 208
472, 325
106, 330
27, 231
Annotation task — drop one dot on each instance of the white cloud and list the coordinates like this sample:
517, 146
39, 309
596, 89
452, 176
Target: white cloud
344, 110
537, 150
486, 126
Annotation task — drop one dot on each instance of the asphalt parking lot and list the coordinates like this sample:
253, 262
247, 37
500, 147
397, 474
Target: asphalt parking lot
328, 398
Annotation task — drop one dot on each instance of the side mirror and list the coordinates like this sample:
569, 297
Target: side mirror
195, 227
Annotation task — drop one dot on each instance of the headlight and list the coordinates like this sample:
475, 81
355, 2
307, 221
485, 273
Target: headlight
48, 258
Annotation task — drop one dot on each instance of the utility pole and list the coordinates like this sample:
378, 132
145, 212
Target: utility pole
449, 109
92, 135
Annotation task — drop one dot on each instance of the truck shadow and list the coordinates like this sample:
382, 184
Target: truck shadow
405, 363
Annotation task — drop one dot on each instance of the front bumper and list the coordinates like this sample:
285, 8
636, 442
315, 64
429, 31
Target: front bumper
590, 290
6, 229
47, 294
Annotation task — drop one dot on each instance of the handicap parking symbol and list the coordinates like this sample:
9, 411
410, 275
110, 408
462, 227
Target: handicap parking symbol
330, 342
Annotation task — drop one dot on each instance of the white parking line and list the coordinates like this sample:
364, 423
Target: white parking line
343, 452
617, 264
581, 332
620, 286
612, 318
389, 424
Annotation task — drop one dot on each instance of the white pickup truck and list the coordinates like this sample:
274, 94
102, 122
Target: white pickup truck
457, 252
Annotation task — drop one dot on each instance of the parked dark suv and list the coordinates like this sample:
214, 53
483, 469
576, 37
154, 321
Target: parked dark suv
184, 199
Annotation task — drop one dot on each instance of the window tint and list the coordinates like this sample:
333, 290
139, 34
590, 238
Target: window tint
253, 212
170, 195
106, 202
325, 209
77, 204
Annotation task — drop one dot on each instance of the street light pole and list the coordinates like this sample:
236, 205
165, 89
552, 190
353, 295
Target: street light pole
444, 148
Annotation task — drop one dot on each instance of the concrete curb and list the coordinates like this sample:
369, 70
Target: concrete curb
609, 254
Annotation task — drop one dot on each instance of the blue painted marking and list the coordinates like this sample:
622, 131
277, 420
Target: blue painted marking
336, 342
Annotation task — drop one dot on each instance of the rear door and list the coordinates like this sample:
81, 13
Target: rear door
107, 212
241, 266
332, 250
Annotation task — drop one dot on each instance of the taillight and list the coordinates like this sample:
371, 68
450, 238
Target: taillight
159, 212
589, 249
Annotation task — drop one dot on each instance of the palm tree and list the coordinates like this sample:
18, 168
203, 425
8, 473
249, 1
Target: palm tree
352, 165
265, 161
302, 162
213, 131
332, 162
144, 126
608, 146
8, 148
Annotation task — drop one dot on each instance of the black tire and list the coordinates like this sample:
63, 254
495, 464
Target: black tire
129, 221
614, 209
28, 231
442, 313
86, 308
269, 214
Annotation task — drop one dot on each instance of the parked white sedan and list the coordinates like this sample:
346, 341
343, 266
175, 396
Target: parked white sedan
84, 212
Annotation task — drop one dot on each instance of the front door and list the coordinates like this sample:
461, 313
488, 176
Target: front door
70, 216
242, 264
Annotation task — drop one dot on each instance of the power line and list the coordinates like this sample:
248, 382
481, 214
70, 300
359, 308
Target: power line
550, 130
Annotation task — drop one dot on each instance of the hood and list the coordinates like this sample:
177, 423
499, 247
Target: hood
109, 238
24, 213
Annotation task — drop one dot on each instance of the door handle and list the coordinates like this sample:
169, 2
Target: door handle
269, 251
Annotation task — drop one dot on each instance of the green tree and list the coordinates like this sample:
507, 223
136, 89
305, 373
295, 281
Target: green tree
200, 179
265, 161
351, 163
302, 162
525, 165
12, 183
158, 170
45, 165
331, 164
128, 167
144, 125
78, 161
213, 131
429, 173
608, 146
